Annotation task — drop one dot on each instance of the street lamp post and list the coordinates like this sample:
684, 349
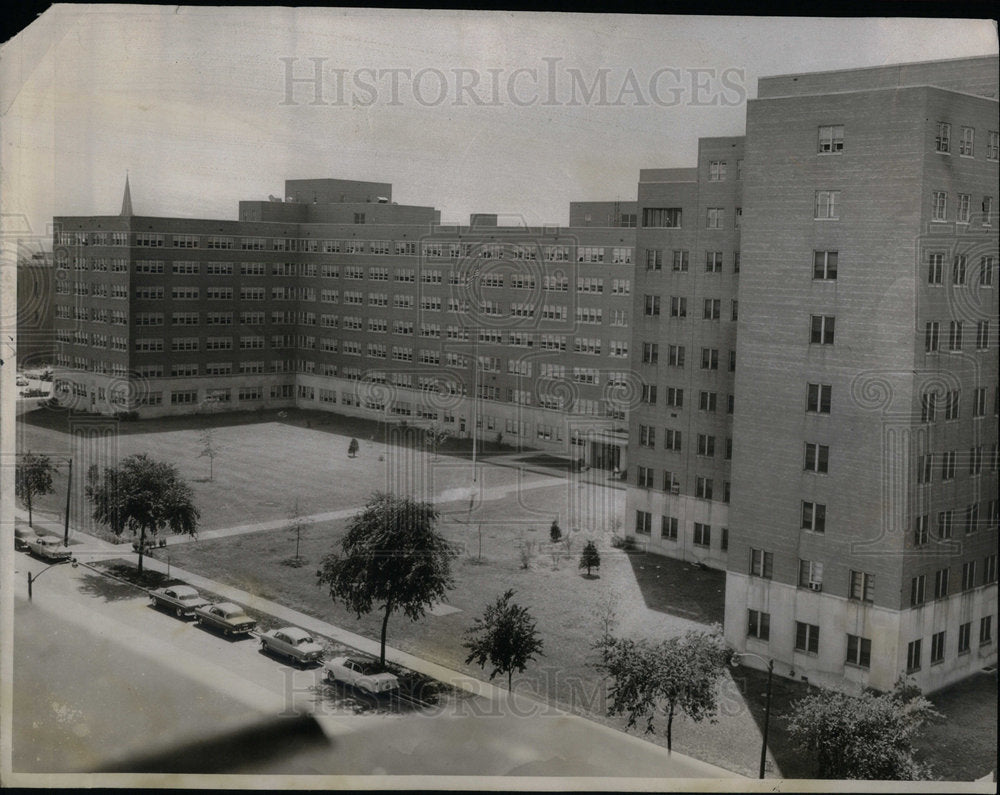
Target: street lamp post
33, 577
767, 703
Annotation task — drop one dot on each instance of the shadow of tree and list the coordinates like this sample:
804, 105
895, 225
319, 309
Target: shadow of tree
108, 589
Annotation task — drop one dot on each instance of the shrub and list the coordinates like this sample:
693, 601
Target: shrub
590, 558
527, 553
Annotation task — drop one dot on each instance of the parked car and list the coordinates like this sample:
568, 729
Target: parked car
294, 643
226, 616
182, 599
360, 673
21, 538
48, 548
22, 381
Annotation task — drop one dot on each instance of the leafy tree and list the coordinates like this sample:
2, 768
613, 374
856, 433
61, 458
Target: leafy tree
590, 558
869, 736
33, 476
352, 448
435, 436
680, 674
208, 450
142, 495
392, 556
554, 532
505, 637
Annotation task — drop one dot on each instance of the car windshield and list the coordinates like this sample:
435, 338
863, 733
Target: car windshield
303, 639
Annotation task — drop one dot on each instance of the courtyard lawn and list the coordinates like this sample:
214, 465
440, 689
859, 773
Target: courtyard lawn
260, 470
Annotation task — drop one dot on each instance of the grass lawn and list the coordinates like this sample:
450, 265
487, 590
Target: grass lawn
963, 746
260, 471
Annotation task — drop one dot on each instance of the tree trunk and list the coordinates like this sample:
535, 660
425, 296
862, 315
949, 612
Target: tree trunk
510, 673
670, 728
142, 545
27, 500
385, 626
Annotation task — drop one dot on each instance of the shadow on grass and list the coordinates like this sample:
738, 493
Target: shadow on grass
963, 746
679, 588
753, 687
553, 461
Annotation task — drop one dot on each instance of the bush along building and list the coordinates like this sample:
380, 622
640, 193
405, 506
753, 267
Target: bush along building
337, 298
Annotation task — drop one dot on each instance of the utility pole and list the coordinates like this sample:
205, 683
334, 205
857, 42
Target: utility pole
69, 481
475, 399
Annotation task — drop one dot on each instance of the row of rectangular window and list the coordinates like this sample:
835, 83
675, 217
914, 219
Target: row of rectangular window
701, 532
970, 518
947, 463
918, 584
859, 649
711, 308
436, 250
672, 440
966, 141
937, 655
956, 335
952, 404
963, 213
704, 487
960, 275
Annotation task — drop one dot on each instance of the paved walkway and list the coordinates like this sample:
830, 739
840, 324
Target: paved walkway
459, 494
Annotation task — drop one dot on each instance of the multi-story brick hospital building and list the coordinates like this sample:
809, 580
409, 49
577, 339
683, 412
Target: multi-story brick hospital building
799, 333
820, 415
336, 297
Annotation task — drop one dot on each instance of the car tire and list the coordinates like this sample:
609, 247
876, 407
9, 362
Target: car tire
227, 632
178, 612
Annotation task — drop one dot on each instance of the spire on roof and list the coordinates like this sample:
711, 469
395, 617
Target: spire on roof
127, 199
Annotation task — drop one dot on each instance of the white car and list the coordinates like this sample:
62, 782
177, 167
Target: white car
294, 643
360, 673
48, 548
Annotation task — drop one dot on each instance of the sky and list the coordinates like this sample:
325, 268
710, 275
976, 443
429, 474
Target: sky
513, 113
